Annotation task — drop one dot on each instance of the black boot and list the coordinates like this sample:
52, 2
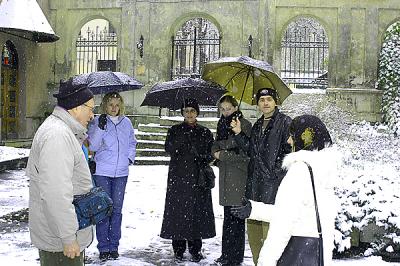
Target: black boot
104, 256
178, 256
114, 255
197, 257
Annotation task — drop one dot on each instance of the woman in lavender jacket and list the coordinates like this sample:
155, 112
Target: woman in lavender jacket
112, 139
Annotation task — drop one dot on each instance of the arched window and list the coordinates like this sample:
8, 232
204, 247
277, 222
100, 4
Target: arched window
96, 47
304, 54
194, 44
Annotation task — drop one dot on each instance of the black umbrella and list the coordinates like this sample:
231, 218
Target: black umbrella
106, 81
171, 94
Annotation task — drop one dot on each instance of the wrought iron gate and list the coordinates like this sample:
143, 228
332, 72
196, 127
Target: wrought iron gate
96, 51
304, 56
197, 42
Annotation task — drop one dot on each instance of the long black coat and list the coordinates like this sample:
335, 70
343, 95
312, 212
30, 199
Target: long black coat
188, 212
266, 149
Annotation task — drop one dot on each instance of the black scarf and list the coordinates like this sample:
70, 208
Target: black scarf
224, 127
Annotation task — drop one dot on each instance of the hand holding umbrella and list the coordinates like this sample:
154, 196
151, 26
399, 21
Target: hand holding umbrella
236, 126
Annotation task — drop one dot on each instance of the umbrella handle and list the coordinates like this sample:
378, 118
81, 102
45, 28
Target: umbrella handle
245, 83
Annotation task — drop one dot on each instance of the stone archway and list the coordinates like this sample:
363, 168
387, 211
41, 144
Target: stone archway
96, 47
9, 91
195, 43
304, 54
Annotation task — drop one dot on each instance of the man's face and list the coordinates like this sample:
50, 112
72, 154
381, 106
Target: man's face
190, 115
84, 113
267, 105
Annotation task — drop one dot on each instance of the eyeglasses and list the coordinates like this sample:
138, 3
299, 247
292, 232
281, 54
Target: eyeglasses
90, 107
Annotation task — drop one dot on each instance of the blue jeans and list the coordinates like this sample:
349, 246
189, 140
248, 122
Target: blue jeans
108, 231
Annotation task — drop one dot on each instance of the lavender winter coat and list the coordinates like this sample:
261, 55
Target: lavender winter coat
114, 147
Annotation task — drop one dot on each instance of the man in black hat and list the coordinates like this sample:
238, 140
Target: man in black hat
266, 146
58, 170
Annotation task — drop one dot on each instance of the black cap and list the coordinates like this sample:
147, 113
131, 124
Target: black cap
266, 92
71, 95
190, 102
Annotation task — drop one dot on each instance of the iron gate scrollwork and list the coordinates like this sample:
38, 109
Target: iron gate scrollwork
304, 56
97, 50
196, 43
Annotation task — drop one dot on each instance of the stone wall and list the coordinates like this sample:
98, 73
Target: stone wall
354, 28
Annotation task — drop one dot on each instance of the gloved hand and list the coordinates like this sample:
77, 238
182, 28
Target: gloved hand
242, 212
102, 121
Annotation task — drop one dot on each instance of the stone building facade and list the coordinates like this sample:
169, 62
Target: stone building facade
354, 30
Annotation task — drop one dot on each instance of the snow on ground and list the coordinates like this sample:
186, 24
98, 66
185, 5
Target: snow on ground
143, 210
11, 153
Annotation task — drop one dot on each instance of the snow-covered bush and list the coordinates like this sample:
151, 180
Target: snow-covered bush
368, 194
389, 77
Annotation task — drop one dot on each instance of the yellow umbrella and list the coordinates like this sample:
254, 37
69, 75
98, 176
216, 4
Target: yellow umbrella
244, 76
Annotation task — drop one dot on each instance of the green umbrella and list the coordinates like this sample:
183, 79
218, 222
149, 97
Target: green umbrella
244, 76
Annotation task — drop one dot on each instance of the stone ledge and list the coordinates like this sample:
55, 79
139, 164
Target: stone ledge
363, 103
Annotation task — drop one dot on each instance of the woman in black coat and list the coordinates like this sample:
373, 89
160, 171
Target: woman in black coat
232, 162
188, 214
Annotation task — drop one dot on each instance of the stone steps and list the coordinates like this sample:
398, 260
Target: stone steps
151, 152
152, 160
147, 144
151, 136
153, 128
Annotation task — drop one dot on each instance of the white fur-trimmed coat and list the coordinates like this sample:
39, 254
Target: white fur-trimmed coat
293, 213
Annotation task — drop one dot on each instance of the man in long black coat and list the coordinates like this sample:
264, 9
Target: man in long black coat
267, 147
188, 214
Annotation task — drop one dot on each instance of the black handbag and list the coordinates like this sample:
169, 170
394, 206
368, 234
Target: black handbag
206, 177
92, 207
305, 251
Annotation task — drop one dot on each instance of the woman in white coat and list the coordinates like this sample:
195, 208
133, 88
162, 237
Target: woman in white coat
293, 213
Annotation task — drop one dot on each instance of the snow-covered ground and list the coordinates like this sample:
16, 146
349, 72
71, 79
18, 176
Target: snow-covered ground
11, 153
143, 210
367, 190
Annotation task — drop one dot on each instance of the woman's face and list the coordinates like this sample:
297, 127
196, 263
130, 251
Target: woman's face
227, 108
113, 106
190, 115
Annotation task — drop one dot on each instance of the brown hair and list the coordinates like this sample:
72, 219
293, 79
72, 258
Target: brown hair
110, 96
228, 98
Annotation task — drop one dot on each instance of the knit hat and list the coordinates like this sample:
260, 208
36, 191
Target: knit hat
71, 95
190, 102
309, 133
266, 92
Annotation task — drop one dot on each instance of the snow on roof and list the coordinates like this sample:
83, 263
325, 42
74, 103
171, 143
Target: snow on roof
25, 18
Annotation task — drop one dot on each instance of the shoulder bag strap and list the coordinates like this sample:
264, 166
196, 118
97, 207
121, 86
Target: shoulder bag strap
321, 248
